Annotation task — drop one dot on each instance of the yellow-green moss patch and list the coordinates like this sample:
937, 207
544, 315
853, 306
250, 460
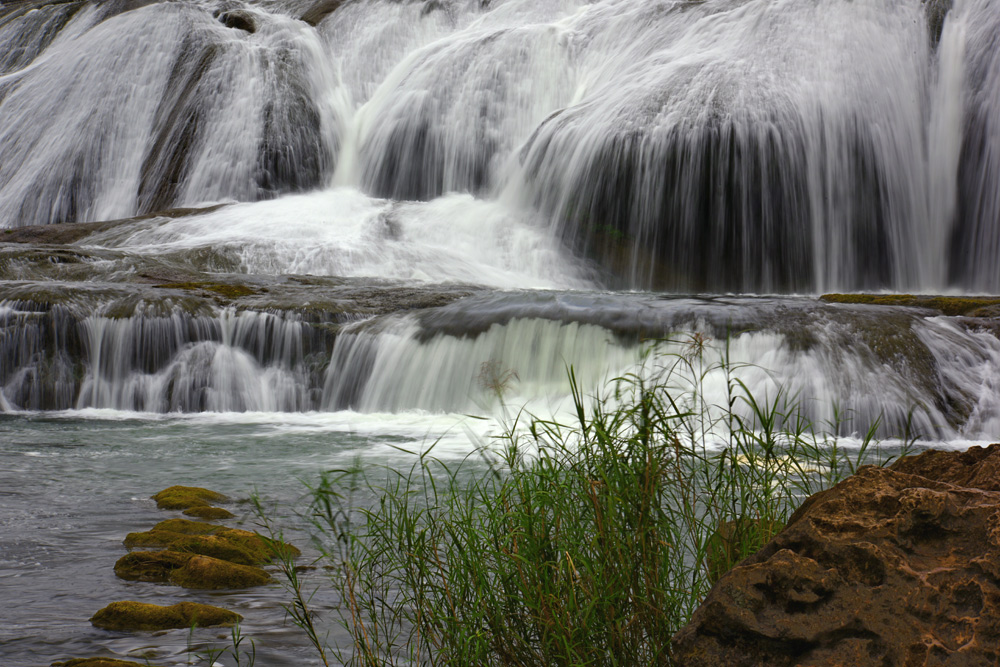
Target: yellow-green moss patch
141, 616
189, 527
184, 497
99, 662
154, 566
209, 513
205, 572
971, 306
232, 544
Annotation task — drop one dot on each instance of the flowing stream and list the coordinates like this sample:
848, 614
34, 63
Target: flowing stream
244, 241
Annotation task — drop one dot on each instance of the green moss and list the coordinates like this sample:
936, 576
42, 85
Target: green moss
188, 527
231, 544
209, 513
946, 305
141, 616
184, 497
205, 572
152, 566
99, 662
222, 289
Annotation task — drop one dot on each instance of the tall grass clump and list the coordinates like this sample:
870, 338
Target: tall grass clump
586, 540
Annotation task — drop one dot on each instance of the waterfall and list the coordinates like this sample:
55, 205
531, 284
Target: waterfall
733, 145
523, 154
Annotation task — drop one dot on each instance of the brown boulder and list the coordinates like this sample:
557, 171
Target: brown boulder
975, 468
886, 568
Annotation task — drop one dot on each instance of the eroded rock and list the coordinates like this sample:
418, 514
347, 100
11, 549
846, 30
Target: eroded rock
131, 616
886, 568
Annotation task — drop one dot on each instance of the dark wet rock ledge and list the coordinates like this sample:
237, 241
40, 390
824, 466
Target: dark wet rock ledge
895, 566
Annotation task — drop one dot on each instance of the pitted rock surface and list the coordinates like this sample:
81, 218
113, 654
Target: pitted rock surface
885, 569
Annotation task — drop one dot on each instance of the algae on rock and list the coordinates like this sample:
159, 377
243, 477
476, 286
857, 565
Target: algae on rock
130, 615
185, 497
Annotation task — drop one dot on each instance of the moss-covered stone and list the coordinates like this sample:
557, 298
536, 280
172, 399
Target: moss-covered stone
142, 616
153, 566
232, 544
100, 662
970, 306
224, 290
209, 513
205, 572
188, 527
184, 497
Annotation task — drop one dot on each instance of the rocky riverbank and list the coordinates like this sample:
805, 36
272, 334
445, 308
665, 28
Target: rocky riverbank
893, 566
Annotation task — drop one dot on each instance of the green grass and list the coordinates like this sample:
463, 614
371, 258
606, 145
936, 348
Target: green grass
588, 541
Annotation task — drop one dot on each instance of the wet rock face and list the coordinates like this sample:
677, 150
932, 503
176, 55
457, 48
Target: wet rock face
885, 569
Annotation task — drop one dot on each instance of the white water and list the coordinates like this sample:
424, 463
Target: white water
744, 145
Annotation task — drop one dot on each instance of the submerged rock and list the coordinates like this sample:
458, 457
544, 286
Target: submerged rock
100, 662
141, 616
152, 566
886, 568
209, 513
239, 19
969, 306
184, 497
320, 10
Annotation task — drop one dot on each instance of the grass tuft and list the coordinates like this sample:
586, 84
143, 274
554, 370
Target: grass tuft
586, 541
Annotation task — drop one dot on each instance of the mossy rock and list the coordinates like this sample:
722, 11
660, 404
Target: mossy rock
188, 527
232, 544
207, 573
131, 616
221, 289
153, 566
185, 497
219, 546
209, 513
99, 662
971, 306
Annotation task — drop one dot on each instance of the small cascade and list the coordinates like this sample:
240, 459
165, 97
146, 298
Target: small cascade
844, 367
53, 359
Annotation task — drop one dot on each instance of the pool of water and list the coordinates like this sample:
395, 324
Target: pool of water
72, 485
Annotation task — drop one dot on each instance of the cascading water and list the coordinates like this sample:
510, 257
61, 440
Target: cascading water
733, 145
245, 240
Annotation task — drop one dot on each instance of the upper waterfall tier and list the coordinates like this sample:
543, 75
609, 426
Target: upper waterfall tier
714, 145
